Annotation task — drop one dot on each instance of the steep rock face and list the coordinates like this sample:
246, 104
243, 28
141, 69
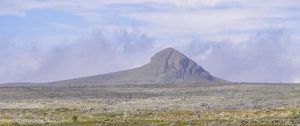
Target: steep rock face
168, 66
176, 65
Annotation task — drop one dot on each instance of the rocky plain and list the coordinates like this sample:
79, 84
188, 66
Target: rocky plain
152, 105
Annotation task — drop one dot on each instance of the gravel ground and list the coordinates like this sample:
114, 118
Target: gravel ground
38, 104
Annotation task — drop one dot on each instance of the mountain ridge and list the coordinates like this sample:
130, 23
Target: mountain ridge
168, 66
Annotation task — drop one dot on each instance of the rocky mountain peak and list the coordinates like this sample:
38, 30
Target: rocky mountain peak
168, 66
177, 65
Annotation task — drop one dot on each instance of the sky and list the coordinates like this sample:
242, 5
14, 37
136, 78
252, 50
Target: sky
237, 40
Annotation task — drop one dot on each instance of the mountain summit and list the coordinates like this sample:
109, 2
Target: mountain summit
166, 67
175, 65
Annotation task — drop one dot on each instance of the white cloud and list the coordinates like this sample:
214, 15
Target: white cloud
269, 56
91, 54
210, 18
10, 7
235, 23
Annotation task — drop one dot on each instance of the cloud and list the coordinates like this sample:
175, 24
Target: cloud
218, 19
15, 61
101, 52
269, 56
10, 7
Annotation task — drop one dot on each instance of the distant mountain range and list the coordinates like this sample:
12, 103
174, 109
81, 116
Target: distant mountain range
168, 66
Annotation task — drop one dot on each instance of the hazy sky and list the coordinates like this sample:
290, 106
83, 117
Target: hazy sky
238, 40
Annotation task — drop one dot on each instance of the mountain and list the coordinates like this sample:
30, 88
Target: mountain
166, 67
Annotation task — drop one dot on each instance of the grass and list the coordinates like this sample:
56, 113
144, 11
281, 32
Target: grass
272, 117
151, 105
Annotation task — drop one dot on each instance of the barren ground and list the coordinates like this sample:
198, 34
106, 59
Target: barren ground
152, 105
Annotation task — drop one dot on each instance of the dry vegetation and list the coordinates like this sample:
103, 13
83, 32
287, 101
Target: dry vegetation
152, 105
